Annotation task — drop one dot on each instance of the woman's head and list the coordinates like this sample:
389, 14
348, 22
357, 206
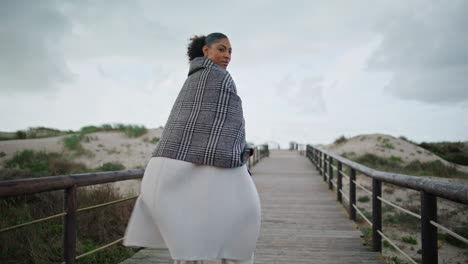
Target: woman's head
215, 46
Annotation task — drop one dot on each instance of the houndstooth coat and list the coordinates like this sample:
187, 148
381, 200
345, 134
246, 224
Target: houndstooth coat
206, 124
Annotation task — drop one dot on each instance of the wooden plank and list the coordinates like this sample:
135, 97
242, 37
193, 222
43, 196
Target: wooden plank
301, 221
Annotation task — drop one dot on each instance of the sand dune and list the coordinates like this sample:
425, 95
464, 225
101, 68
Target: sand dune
386, 146
100, 147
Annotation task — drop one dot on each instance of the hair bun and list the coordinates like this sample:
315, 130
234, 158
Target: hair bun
195, 47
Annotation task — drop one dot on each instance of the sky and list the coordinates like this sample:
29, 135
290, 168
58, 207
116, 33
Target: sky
306, 71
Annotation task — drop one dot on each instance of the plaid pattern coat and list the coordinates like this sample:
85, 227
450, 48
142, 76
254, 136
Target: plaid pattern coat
206, 124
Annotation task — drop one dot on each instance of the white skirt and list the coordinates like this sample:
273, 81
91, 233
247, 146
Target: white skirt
198, 212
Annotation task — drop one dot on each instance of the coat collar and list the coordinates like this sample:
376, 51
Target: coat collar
200, 63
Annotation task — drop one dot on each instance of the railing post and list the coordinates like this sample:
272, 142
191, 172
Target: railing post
310, 154
256, 155
376, 215
330, 173
340, 184
428, 231
319, 157
316, 154
325, 167
322, 159
352, 194
314, 151
69, 227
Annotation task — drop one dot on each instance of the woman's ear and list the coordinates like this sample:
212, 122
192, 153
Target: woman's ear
205, 51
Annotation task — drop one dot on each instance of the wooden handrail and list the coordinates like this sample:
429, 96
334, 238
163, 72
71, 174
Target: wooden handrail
449, 190
430, 189
52, 183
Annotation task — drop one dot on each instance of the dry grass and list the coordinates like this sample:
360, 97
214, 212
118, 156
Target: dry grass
42, 243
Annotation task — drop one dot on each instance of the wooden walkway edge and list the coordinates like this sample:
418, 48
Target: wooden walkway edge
301, 221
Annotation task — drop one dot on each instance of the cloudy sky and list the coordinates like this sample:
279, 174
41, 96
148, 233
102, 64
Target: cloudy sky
308, 71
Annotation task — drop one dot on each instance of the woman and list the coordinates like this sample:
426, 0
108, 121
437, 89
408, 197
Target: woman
197, 197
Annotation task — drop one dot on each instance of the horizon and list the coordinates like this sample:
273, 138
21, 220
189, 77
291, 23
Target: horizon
283, 145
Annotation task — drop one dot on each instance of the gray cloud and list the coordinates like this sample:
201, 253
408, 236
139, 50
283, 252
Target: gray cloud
30, 47
39, 39
302, 96
116, 28
423, 45
425, 48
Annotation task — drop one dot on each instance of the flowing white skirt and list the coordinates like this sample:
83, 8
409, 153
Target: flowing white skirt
198, 212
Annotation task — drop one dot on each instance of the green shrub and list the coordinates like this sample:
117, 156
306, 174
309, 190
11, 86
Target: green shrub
120, 127
396, 159
73, 142
363, 199
435, 167
401, 219
367, 214
386, 144
155, 140
394, 259
461, 230
377, 162
366, 234
106, 127
111, 166
42, 243
20, 134
38, 164
389, 190
387, 209
348, 155
386, 244
134, 131
89, 129
35, 162
341, 140
418, 168
456, 152
409, 240
13, 174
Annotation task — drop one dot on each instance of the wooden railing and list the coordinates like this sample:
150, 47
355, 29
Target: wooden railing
260, 152
69, 184
430, 189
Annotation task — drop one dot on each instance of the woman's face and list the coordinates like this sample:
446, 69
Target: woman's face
219, 52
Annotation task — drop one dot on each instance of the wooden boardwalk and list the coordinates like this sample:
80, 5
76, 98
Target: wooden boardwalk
301, 221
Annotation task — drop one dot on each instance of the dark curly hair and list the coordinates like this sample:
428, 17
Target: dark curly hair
196, 44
